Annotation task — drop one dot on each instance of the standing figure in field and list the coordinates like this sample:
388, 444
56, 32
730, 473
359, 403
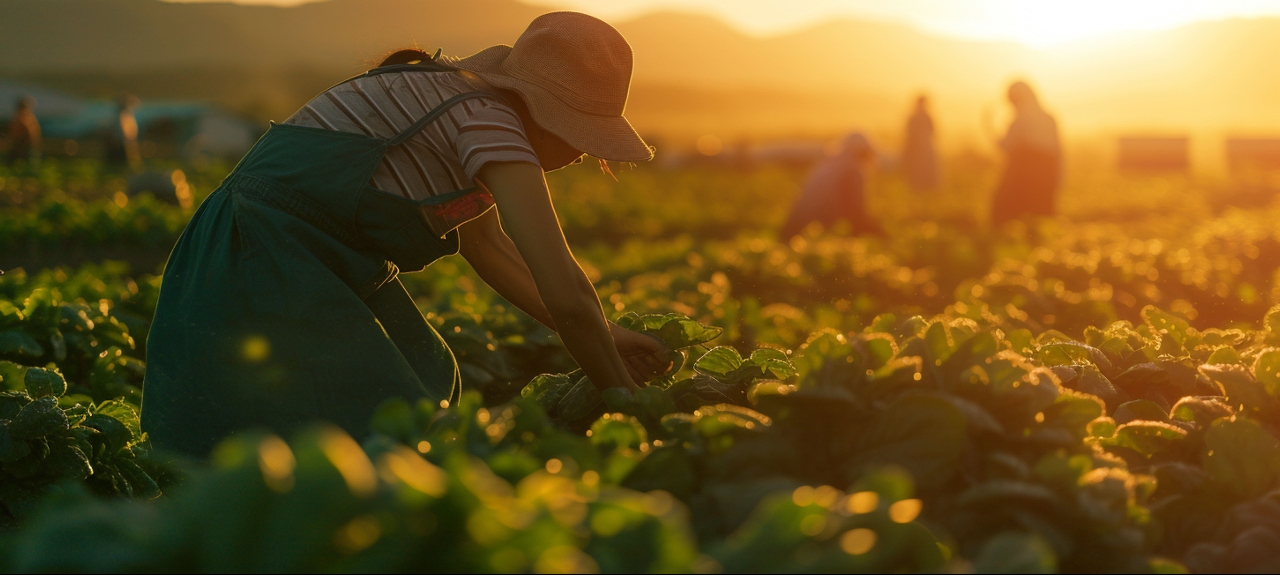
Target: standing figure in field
1033, 160
834, 191
919, 156
281, 305
25, 141
122, 135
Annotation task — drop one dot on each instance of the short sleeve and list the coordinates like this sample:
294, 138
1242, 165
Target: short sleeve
493, 133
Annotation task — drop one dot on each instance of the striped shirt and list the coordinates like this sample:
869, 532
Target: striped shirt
443, 157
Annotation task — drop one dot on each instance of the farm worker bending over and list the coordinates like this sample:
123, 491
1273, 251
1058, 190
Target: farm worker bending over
280, 304
919, 157
121, 142
834, 191
1033, 165
25, 141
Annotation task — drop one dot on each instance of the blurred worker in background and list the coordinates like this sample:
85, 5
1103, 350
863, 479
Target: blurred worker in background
25, 140
1033, 160
919, 157
122, 135
834, 191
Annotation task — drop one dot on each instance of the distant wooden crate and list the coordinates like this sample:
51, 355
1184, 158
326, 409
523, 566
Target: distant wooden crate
1244, 154
1148, 154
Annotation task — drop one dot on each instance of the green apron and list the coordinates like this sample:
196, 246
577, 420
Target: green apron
280, 304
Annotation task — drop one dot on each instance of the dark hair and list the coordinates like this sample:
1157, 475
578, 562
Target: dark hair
407, 56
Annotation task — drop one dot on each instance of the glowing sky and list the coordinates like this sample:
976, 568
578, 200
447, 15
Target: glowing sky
1033, 22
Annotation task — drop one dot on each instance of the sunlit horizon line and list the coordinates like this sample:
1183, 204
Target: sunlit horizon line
1070, 26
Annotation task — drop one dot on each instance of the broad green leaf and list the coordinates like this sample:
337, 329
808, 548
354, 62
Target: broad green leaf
822, 347
1049, 336
976, 416
1239, 386
921, 433
1213, 337
1163, 566
1062, 471
616, 430
18, 343
579, 402
882, 323
1139, 409
1003, 492
684, 332
1241, 457
719, 362
1092, 382
1073, 412
773, 362
713, 420
142, 485
1147, 437
1072, 353
1021, 341
548, 389
394, 418
1272, 323
1163, 322
12, 377
654, 403
973, 350
676, 330
1266, 369
668, 468
1012, 552
1225, 355
42, 382
67, 460
679, 425
882, 348
38, 419
938, 341
711, 391
117, 435
618, 399
124, 413
890, 482
1102, 427
9, 313
1201, 410
765, 389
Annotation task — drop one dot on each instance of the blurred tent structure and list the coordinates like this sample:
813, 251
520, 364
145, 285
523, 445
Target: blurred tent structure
1245, 154
170, 129
1154, 154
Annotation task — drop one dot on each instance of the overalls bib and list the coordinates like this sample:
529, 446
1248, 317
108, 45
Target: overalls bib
280, 304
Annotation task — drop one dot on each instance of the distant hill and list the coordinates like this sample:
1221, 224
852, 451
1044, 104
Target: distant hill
693, 73
133, 35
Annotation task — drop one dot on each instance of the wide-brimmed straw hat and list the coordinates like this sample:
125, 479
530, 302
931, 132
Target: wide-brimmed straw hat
573, 72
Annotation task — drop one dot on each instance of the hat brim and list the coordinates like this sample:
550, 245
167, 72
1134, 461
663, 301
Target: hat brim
606, 137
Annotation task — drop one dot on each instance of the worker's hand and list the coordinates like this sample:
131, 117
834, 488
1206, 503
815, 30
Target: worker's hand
646, 357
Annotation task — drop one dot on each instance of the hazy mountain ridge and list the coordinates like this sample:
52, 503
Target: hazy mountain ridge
343, 34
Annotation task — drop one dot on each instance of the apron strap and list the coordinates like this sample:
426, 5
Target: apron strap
427, 66
434, 114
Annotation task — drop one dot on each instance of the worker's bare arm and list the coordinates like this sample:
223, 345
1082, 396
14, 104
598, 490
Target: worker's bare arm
570, 301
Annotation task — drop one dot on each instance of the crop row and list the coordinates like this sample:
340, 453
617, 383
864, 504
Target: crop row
1131, 442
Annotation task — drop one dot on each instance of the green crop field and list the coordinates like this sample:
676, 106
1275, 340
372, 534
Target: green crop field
1097, 393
